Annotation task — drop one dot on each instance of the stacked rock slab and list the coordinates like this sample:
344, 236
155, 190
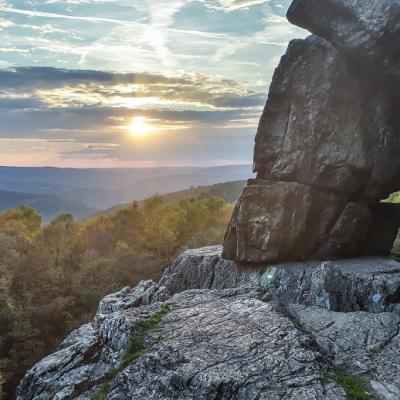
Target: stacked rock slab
328, 144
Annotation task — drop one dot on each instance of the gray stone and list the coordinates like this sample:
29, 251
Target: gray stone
142, 294
287, 220
227, 344
328, 141
321, 127
213, 344
366, 345
362, 284
368, 31
235, 343
94, 350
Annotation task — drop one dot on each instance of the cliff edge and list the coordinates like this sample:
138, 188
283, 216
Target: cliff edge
213, 330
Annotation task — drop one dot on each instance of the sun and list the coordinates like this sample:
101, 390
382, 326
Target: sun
139, 127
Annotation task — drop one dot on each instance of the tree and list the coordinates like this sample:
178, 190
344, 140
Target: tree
52, 277
1, 386
30, 220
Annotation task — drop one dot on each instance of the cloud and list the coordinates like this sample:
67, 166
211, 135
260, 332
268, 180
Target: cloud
197, 70
161, 18
232, 5
51, 87
82, 116
154, 36
5, 23
34, 13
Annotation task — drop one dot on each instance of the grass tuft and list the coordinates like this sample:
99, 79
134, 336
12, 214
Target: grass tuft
136, 345
355, 387
135, 348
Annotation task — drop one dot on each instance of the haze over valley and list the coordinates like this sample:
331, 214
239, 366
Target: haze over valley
83, 192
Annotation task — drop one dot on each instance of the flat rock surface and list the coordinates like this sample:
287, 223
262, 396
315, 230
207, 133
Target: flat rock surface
211, 345
227, 344
218, 344
365, 344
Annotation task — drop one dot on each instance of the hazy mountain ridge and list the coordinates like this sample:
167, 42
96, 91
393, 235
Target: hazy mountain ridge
48, 206
228, 191
105, 188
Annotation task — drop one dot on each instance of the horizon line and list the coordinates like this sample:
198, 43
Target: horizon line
144, 167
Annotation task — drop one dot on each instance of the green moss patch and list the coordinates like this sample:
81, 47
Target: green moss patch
135, 348
355, 387
136, 344
101, 394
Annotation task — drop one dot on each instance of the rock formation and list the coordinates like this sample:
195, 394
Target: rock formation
326, 153
370, 284
213, 330
328, 143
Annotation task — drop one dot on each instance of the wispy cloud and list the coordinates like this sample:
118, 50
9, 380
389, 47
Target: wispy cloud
33, 13
232, 5
5, 23
197, 70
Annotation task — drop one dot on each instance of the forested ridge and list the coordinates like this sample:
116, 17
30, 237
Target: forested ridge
52, 276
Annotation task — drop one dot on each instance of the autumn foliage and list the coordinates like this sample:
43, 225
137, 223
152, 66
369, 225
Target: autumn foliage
52, 277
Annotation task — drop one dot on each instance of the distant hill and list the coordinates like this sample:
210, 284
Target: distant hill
104, 188
48, 206
229, 191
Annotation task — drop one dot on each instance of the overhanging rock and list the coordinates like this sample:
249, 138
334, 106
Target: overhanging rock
328, 143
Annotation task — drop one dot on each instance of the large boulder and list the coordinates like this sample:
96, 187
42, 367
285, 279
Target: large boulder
327, 125
327, 146
367, 31
283, 221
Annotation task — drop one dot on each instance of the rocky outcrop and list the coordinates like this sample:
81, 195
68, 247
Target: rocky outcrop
368, 32
254, 329
88, 356
362, 284
364, 344
328, 141
165, 342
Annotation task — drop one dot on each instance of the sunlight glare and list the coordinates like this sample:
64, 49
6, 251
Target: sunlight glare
139, 127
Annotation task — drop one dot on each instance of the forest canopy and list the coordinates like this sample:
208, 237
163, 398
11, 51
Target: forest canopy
52, 276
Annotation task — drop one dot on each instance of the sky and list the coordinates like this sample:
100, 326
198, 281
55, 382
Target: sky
136, 83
